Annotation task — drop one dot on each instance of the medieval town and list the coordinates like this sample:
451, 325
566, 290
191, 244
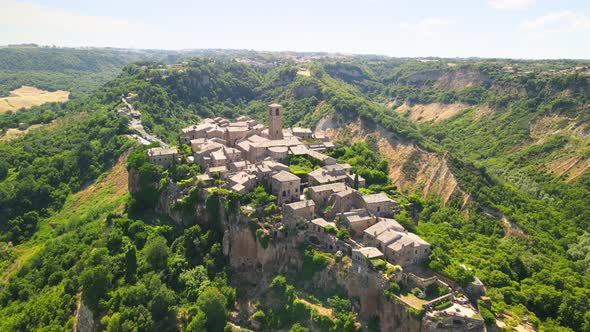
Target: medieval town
245, 154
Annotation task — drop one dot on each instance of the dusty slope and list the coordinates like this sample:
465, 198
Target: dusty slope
434, 112
410, 168
576, 158
27, 96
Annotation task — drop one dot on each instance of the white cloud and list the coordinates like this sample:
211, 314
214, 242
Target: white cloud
28, 22
427, 25
511, 5
557, 21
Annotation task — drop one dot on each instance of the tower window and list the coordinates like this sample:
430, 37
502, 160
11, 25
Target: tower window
277, 112
270, 112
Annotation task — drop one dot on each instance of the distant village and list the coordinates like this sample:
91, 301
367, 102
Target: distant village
247, 154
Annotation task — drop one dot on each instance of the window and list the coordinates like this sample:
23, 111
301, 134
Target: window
284, 193
296, 190
270, 112
378, 209
277, 112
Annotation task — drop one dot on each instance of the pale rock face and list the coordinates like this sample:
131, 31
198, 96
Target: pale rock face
304, 91
84, 319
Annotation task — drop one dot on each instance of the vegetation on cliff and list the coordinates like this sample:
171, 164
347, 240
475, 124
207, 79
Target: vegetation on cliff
521, 229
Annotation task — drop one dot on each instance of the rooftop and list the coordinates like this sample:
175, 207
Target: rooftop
370, 252
322, 222
377, 198
382, 226
161, 152
301, 204
292, 141
283, 176
334, 187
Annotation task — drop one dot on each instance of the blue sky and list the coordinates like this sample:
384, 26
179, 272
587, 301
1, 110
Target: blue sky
453, 28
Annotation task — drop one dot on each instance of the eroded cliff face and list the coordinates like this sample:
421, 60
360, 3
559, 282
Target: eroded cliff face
410, 167
251, 261
256, 265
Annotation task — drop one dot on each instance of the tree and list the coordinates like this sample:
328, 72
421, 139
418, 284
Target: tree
197, 323
298, 328
156, 252
195, 281
95, 283
161, 305
213, 303
130, 264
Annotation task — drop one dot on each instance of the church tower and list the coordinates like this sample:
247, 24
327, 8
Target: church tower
275, 121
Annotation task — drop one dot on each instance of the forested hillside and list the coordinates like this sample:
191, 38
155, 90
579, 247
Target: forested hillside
79, 71
514, 134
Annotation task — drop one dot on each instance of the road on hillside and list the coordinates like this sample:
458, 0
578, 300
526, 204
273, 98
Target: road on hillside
137, 126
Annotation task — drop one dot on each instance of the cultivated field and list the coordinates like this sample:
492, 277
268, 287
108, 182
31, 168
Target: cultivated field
27, 96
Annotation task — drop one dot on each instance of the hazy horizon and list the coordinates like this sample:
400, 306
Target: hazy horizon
514, 29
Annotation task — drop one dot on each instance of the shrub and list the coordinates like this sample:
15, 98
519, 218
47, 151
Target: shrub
392, 289
263, 238
379, 264
443, 305
488, 316
314, 261
343, 234
330, 229
417, 313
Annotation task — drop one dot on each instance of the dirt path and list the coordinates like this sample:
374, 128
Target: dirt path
511, 228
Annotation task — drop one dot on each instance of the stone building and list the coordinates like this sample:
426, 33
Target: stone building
344, 201
321, 194
275, 121
399, 246
362, 256
380, 205
358, 220
329, 174
298, 213
164, 157
285, 186
303, 133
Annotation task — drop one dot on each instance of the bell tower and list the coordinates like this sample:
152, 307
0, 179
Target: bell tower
275, 121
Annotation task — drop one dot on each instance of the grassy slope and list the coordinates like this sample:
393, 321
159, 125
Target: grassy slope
107, 195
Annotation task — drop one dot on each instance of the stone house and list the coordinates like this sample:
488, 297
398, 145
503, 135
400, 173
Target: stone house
399, 246
303, 133
195, 131
286, 186
380, 205
344, 201
322, 158
321, 194
358, 220
161, 156
351, 179
362, 256
318, 225
298, 213
241, 182
329, 174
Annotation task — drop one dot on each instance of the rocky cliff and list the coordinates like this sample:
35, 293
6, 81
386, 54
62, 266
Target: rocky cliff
410, 167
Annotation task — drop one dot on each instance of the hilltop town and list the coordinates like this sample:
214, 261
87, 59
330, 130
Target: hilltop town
324, 209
